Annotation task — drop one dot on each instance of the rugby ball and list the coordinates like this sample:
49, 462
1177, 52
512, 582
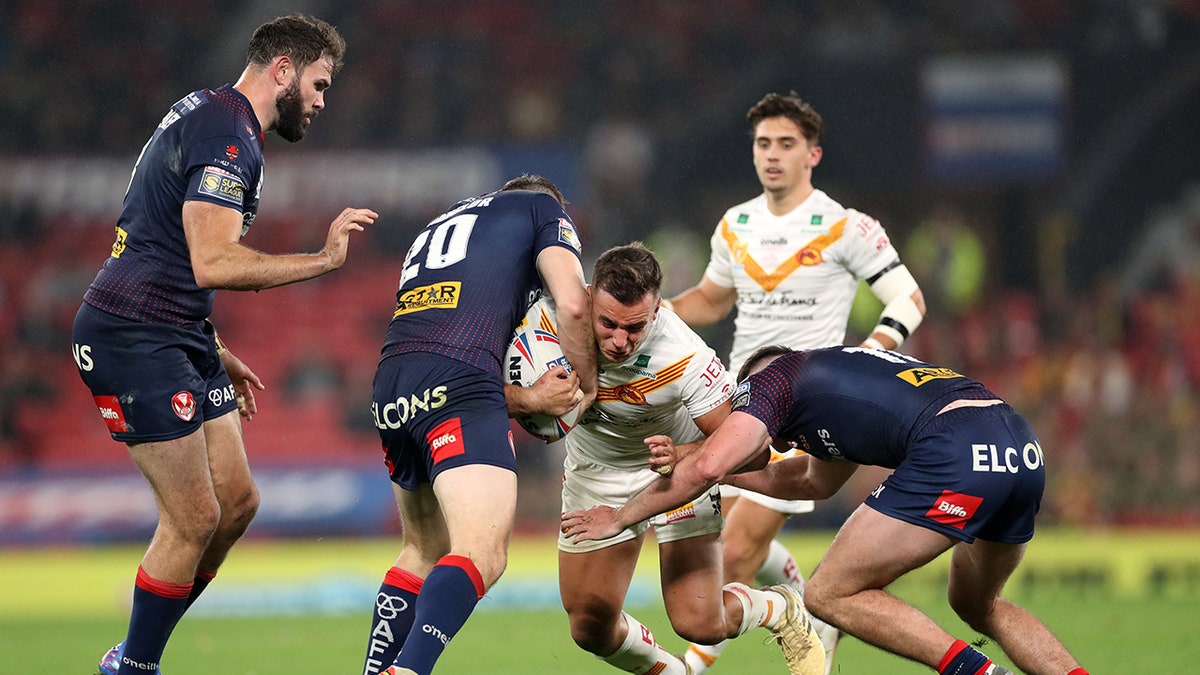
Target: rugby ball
533, 350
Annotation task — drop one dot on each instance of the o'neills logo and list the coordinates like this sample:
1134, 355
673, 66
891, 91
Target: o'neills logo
446, 440
184, 405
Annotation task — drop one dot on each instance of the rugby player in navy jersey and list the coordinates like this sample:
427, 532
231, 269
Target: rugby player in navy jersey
439, 405
162, 380
968, 476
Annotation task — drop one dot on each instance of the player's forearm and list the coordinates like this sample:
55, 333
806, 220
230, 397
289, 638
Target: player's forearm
519, 400
239, 268
663, 495
696, 309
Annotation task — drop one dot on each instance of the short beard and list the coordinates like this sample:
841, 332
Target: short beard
289, 108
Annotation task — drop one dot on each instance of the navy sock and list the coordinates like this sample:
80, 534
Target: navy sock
962, 659
199, 584
395, 607
157, 607
447, 598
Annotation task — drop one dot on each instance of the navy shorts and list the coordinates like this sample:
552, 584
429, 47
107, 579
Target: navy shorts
970, 472
435, 413
150, 381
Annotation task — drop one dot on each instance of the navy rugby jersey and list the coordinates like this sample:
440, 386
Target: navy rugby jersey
207, 148
849, 403
471, 273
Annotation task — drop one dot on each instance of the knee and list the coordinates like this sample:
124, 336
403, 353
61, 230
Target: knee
694, 627
491, 566
237, 514
818, 598
974, 611
198, 525
594, 629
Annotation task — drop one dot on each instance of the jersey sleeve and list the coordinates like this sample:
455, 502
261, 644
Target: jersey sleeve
720, 262
220, 170
706, 383
868, 249
554, 226
767, 396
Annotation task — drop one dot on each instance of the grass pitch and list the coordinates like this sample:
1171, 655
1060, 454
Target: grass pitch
1123, 602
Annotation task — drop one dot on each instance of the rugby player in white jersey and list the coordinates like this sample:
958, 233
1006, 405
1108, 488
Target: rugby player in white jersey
656, 376
790, 260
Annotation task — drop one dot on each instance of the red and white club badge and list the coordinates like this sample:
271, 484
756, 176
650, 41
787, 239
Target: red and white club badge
184, 405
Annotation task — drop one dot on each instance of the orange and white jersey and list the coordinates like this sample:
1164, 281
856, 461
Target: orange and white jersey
672, 378
795, 275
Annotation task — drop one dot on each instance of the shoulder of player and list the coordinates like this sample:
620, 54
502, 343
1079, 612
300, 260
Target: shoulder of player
737, 212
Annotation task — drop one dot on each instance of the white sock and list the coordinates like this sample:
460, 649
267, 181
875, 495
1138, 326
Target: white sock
759, 607
640, 653
779, 568
701, 657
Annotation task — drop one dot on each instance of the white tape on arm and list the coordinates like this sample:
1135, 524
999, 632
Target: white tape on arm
900, 315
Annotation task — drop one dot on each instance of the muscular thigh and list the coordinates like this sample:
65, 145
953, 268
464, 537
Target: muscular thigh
692, 575
873, 549
597, 581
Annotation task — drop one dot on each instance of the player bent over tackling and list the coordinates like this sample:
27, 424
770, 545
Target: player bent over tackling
849, 406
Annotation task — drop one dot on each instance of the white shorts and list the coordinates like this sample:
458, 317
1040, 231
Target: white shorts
586, 485
789, 506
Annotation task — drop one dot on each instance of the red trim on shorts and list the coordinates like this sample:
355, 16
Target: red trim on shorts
205, 576
954, 650
403, 579
165, 589
464, 563
1078, 671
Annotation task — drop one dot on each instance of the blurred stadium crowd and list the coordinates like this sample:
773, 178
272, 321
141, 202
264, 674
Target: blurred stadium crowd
1074, 291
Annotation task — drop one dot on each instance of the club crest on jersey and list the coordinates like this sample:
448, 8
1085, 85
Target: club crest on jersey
443, 295
184, 405
630, 395
809, 255
231, 151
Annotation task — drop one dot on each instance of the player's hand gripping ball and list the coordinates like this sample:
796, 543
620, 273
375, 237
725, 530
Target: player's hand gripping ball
533, 350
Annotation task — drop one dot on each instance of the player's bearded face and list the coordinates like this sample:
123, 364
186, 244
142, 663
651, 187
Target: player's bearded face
289, 106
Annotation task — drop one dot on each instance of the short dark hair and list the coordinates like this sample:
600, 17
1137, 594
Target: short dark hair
536, 183
627, 273
761, 354
302, 38
792, 107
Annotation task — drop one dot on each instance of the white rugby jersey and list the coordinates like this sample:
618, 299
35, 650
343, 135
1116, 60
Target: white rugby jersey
795, 275
672, 378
